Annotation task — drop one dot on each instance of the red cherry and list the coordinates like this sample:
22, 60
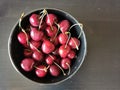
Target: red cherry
74, 43
62, 38
51, 31
34, 45
54, 41
41, 71
27, 52
27, 64
34, 20
47, 47
36, 34
65, 63
22, 38
38, 56
54, 70
64, 25
50, 59
63, 51
71, 54
51, 19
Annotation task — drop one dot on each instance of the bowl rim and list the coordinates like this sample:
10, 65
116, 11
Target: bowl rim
83, 57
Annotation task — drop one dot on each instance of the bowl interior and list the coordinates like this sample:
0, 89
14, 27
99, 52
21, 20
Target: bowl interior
16, 49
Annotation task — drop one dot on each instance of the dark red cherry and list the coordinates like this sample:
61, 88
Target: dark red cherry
63, 51
54, 70
64, 25
27, 64
65, 63
36, 34
38, 55
27, 53
74, 43
41, 71
51, 31
51, 19
22, 38
34, 45
71, 54
47, 47
54, 40
50, 59
62, 38
34, 20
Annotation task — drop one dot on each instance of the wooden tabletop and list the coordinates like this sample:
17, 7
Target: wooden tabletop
101, 20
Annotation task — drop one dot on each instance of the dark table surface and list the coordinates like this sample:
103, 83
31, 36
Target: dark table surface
101, 20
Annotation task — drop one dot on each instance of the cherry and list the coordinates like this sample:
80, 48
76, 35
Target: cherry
71, 54
22, 38
27, 64
50, 59
63, 51
51, 19
41, 71
34, 45
47, 47
51, 31
54, 40
65, 64
34, 20
27, 52
54, 70
62, 38
36, 34
74, 43
64, 25
38, 56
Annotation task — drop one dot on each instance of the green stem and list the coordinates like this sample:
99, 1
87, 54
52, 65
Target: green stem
68, 38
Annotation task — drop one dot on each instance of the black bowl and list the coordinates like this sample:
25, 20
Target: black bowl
15, 49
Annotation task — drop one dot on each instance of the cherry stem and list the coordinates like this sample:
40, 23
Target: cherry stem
48, 67
51, 56
60, 68
49, 19
44, 12
44, 69
69, 68
58, 27
81, 27
35, 47
75, 44
23, 30
68, 38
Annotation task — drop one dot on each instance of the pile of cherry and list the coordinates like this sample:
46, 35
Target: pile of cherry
48, 45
